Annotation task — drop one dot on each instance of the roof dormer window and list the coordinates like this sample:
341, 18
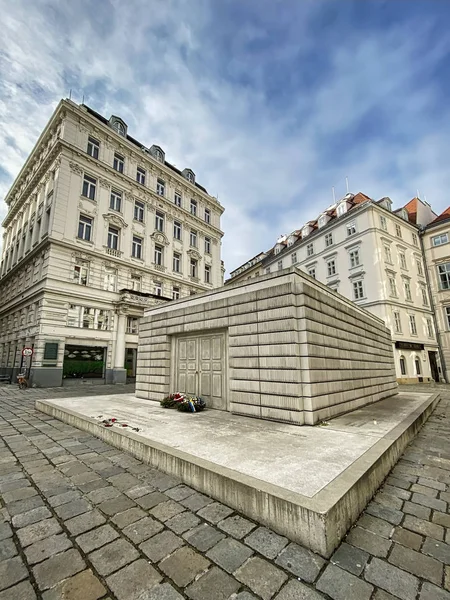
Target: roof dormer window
157, 153
189, 175
118, 125
341, 209
322, 220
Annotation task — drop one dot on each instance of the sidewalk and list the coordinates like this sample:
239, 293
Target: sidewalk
81, 520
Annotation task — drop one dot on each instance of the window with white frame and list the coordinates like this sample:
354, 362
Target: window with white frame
207, 274
194, 268
294, 258
136, 247
176, 262
407, 286
351, 228
132, 325
331, 267
312, 272
159, 221
159, 254
280, 265
193, 238
424, 292
341, 209
398, 230
85, 228
93, 147
447, 316
110, 279
387, 254
354, 258
444, 276
310, 249
392, 286
80, 272
358, 289
136, 283
402, 365
322, 220
412, 325
328, 240
140, 175
397, 322
160, 187
158, 288
115, 200
383, 223
419, 266
430, 331
193, 207
438, 240
139, 210
113, 238
88, 317
89, 187
177, 199
175, 293
208, 245
414, 239
177, 230
118, 162
207, 215
402, 260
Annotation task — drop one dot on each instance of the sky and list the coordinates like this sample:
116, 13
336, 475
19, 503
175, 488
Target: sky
272, 103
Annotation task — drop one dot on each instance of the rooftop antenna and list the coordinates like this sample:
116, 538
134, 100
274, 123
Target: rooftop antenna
418, 195
70, 94
346, 183
82, 102
334, 195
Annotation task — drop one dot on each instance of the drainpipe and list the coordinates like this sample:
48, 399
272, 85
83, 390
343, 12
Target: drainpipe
432, 306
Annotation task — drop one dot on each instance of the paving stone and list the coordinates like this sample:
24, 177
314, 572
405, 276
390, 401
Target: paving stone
407, 538
45, 548
215, 584
116, 505
85, 478
261, 576
21, 591
180, 492
7, 549
370, 542
383, 512
416, 563
59, 567
294, 590
391, 579
97, 537
134, 582
424, 527
388, 500
74, 468
139, 490
350, 558
161, 545
182, 522
437, 485
423, 489
417, 510
441, 519
102, 494
159, 480
378, 526
196, 502
124, 481
19, 494
203, 537
22, 506
184, 565
95, 484
229, 554
437, 550
140, 531
5, 531
301, 562
127, 517
38, 531
433, 503
167, 510
236, 526
397, 491
266, 542
64, 498
14, 485
431, 592
85, 522
73, 509
163, 592
83, 586
382, 595
215, 512
341, 585
151, 500
113, 556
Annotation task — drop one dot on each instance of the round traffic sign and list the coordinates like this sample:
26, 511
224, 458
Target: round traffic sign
27, 352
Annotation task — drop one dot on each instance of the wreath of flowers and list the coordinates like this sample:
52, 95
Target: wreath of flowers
183, 402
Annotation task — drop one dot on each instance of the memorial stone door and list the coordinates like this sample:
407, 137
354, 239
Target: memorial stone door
200, 368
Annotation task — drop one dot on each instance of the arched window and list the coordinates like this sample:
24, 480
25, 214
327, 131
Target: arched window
417, 363
402, 365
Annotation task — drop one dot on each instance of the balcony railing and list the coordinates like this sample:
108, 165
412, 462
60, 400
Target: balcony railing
113, 252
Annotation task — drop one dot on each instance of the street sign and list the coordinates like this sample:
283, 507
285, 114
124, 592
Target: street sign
27, 352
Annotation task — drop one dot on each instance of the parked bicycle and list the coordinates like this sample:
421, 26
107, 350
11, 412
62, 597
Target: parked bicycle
22, 381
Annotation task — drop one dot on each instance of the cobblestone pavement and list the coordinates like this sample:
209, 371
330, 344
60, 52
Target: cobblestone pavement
81, 520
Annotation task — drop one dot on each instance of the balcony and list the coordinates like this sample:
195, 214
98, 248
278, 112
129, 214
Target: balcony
113, 252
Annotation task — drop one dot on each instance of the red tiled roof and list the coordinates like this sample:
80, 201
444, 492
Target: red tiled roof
411, 209
442, 217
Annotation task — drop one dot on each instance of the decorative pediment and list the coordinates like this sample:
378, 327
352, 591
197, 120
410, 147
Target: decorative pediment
159, 238
116, 220
104, 183
76, 168
194, 254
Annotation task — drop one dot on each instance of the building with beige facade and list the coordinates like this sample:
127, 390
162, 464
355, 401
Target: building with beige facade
372, 254
98, 227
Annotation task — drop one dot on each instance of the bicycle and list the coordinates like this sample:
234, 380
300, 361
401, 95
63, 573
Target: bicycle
22, 381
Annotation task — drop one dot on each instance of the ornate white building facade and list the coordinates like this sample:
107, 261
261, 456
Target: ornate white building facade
98, 227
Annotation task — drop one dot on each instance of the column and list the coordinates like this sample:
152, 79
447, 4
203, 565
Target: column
119, 371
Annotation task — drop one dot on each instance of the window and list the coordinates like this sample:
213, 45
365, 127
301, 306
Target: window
447, 316
136, 283
194, 207
93, 147
118, 126
398, 230
118, 162
207, 215
358, 290
190, 177
444, 276
383, 223
89, 186
113, 238
132, 324
110, 279
424, 295
417, 365
392, 286
85, 228
293, 258
312, 272
328, 240
407, 290
80, 273
402, 365
159, 221
140, 175
397, 322
177, 262
159, 255
351, 228
136, 247
176, 293
207, 274
419, 266
387, 254
115, 200
194, 267
280, 265
438, 240
193, 238
268, 271
430, 331
177, 199
414, 239
354, 258
177, 230
402, 260
412, 325
158, 154
208, 245
331, 267
309, 249
160, 187
139, 211
158, 288
341, 209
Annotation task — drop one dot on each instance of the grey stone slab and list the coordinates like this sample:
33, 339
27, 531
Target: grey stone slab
151, 500
295, 590
229, 554
378, 526
382, 595
38, 531
59, 567
433, 503
167, 510
73, 509
124, 481
184, 565
19, 494
424, 527
140, 531
215, 512
85, 522
163, 592
389, 500
39, 551
203, 537
437, 550
180, 492
83, 586
261, 576
127, 517
236, 526
22, 506
7, 549
139, 490
95, 484
369, 542
182, 522
5, 531
113, 556
196, 502
407, 538
385, 513
432, 483
161, 545
425, 490
397, 491
116, 505
134, 582
417, 510
91, 540
391, 579
350, 558
14, 485
265, 541
214, 584
342, 585
65, 498
102, 494
301, 562
21, 591
441, 519
432, 592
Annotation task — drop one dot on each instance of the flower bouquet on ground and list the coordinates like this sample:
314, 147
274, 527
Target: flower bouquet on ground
183, 402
